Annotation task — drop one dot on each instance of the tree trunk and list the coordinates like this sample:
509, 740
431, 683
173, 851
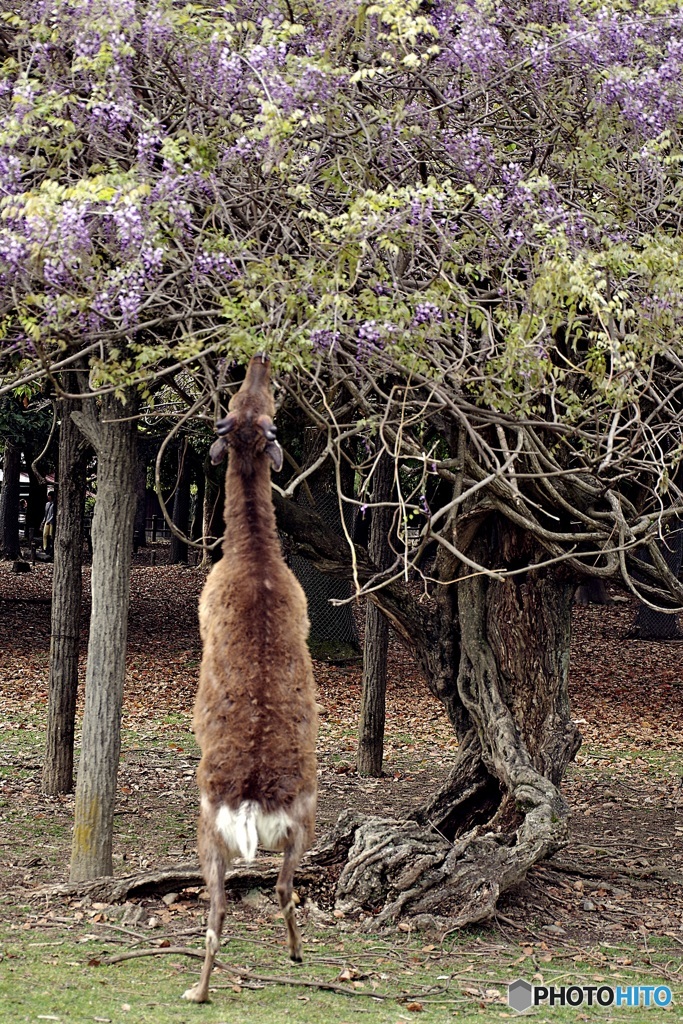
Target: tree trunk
9, 502
496, 653
196, 526
112, 534
504, 812
181, 505
37, 496
66, 606
214, 500
373, 696
140, 524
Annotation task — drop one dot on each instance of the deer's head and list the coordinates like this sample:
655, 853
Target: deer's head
249, 427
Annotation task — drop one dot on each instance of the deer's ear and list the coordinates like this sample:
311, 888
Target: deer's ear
272, 449
274, 453
267, 427
227, 424
217, 451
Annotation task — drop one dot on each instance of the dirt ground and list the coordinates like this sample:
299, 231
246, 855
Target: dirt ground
621, 875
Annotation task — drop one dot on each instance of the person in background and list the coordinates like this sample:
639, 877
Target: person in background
48, 523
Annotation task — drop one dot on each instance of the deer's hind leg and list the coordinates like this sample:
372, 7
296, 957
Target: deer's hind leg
214, 859
293, 853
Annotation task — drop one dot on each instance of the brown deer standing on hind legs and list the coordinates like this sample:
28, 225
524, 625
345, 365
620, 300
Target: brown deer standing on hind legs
255, 715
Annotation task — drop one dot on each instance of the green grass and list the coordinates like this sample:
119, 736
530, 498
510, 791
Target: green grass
600, 762
170, 733
54, 972
48, 968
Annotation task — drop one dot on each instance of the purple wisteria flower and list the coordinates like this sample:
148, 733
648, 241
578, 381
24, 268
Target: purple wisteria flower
427, 313
324, 339
130, 226
372, 336
421, 210
148, 145
472, 153
10, 174
523, 137
206, 263
13, 255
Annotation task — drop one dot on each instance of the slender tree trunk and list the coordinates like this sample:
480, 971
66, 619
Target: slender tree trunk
373, 697
37, 496
112, 534
9, 502
214, 477
140, 526
198, 504
66, 606
181, 505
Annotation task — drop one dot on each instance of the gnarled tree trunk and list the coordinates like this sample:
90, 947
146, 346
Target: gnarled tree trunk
496, 653
66, 607
501, 810
112, 434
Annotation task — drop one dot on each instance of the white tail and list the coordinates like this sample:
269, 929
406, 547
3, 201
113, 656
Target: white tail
245, 828
238, 828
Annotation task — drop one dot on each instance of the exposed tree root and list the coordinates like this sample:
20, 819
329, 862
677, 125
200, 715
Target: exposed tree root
392, 870
113, 890
399, 869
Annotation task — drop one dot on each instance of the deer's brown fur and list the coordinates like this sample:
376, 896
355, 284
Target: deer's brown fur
255, 714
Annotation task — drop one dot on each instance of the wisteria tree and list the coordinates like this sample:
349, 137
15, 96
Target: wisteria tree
455, 227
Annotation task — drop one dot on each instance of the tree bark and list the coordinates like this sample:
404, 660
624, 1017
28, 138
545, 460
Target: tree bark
512, 681
373, 695
496, 653
113, 437
140, 524
214, 500
66, 606
181, 505
197, 520
9, 502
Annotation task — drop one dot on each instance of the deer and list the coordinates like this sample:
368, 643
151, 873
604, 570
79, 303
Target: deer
255, 714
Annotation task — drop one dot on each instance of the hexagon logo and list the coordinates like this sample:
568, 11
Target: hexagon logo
520, 996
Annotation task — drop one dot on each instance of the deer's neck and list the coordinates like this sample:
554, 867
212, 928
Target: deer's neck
250, 529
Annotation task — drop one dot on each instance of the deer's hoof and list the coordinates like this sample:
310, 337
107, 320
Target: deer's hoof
195, 995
